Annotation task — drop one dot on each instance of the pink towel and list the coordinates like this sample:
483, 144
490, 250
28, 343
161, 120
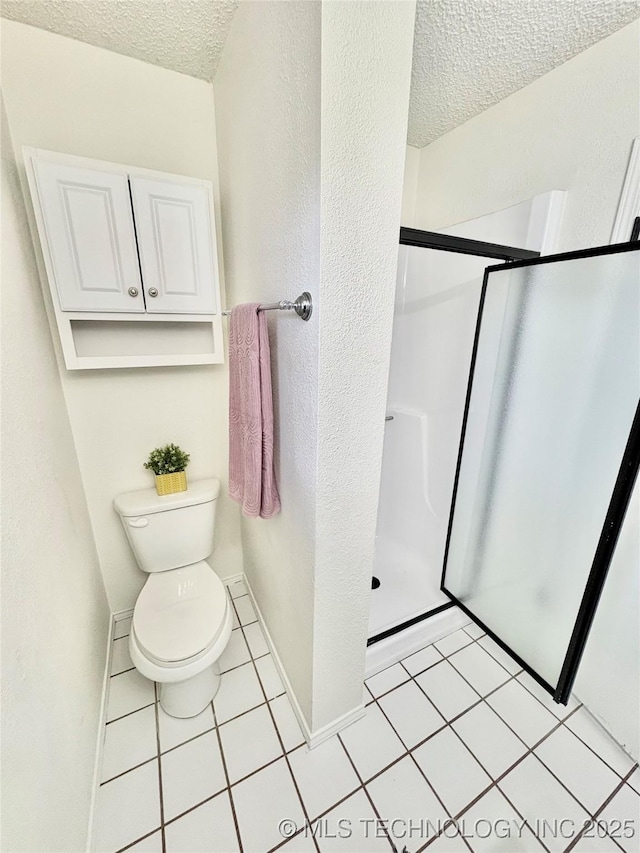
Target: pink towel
252, 481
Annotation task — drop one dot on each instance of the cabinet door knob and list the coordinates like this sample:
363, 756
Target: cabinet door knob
133, 291
152, 291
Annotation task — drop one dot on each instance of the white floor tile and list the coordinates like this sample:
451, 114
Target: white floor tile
524, 714
419, 661
447, 689
367, 698
269, 677
120, 657
411, 714
244, 608
129, 692
589, 730
128, 742
206, 829
500, 655
588, 778
127, 808
448, 645
451, 769
494, 826
287, 722
489, 739
237, 589
239, 691
402, 794
151, 844
358, 819
190, 774
481, 671
361, 736
255, 638
249, 742
261, 802
559, 711
324, 775
539, 797
122, 628
236, 653
234, 622
474, 630
386, 680
174, 731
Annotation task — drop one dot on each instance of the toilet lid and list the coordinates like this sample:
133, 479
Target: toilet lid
180, 613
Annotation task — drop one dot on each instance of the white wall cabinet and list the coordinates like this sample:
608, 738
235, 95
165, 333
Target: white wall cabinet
127, 244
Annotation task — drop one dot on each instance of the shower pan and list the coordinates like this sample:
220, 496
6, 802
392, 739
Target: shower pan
522, 510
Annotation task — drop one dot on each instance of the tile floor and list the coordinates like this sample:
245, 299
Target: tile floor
457, 750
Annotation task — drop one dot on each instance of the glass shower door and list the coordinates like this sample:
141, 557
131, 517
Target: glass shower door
548, 455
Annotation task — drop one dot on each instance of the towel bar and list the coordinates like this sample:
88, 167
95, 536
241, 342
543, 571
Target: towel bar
303, 306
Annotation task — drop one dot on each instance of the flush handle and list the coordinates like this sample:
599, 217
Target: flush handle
138, 522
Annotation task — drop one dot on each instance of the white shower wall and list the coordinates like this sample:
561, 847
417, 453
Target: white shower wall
436, 307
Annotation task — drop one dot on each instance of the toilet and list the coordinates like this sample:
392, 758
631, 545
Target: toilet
182, 619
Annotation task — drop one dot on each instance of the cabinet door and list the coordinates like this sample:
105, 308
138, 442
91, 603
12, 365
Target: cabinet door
88, 230
176, 245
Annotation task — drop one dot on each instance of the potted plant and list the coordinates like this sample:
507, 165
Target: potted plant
168, 464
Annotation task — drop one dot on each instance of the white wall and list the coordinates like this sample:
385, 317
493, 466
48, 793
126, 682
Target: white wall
55, 616
366, 73
310, 202
68, 96
410, 186
267, 93
570, 130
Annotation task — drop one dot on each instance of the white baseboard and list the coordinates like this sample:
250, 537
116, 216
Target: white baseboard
97, 766
387, 652
316, 738
312, 738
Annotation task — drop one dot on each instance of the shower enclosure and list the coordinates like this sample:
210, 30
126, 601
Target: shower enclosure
538, 367
438, 290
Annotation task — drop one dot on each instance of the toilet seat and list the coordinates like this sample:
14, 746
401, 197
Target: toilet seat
180, 615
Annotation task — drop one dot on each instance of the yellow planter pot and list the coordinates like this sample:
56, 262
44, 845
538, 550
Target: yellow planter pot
168, 484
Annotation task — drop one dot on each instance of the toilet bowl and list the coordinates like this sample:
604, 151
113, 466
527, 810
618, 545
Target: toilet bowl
182, 619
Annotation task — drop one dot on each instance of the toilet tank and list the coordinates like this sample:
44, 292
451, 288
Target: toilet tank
169, 531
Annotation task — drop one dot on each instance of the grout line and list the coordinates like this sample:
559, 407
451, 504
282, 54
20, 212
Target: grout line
129, 713
226, 775
156, 706
128, 770
362, 787
130, 844
122, 672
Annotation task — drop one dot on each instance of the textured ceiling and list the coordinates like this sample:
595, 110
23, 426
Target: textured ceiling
470, 54
183, 35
